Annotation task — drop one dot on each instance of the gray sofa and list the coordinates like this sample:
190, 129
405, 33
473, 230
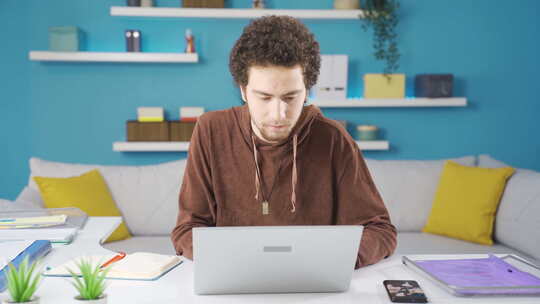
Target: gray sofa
148, 199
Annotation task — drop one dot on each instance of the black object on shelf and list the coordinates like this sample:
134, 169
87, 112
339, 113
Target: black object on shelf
133, 40
134, 2
433, 85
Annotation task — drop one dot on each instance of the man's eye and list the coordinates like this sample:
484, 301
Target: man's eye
288, 99
266, 98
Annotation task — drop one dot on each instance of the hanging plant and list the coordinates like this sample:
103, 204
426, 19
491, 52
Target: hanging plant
382, 16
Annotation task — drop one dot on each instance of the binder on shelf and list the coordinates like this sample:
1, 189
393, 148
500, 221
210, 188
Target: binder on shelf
507, 275
34, 250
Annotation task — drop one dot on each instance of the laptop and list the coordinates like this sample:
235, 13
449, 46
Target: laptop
274, 259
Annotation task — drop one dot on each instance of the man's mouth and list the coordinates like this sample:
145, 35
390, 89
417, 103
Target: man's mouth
277, 127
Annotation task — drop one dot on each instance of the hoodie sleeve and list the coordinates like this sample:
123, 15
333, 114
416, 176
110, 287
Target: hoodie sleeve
197, 207
359, 203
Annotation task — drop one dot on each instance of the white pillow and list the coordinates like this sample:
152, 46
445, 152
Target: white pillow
30, 195
408, 188
6, 205
519, 210
147, 195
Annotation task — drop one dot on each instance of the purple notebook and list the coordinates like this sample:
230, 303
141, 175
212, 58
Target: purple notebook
485, 276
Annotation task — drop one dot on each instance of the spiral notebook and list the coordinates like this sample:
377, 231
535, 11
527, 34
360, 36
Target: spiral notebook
507, 275
143, 266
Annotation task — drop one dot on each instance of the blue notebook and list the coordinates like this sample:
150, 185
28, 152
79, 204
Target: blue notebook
34, 251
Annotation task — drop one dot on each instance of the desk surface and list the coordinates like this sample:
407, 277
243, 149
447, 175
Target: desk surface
177, 285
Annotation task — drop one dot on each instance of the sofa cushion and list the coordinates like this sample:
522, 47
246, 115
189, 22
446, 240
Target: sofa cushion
425, 243
517, 222
466, 202
155, 244
88, 192
408, 188
147, 195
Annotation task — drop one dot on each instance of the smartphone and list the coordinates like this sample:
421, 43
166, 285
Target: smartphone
404, 291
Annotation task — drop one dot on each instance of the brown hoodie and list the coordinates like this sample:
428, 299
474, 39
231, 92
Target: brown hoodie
322, 180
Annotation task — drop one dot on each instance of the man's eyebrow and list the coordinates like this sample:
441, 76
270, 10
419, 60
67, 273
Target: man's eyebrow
267, 94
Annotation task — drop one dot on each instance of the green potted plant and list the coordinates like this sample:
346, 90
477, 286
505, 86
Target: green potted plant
22, 282
382, 16
90, 283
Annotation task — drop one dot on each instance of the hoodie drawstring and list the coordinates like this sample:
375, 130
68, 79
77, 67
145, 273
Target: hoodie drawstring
294, 173
257, 183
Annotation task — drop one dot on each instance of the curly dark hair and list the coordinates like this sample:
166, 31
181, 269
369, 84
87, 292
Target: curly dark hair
275, 40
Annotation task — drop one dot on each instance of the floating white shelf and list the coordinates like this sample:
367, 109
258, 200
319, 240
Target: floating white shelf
232, 13
150, 146
180, 146
373, 145
405, 102
114, 57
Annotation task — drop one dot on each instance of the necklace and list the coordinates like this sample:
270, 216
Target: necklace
265, 205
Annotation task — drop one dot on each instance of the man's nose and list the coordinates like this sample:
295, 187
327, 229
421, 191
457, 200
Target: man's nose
278, 110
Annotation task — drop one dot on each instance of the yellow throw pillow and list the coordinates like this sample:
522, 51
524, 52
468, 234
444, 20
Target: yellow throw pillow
88, 192
466, 202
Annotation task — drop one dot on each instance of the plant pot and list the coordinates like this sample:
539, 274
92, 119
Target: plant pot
35, 300
101, 300
367, 132
346, 4
384, 86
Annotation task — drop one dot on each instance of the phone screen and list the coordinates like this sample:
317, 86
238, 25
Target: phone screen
403, 291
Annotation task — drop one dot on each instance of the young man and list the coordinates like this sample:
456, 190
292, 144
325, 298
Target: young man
275, 161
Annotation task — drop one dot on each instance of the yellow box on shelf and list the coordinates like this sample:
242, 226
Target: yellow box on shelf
381, 86
150, 114
150, 119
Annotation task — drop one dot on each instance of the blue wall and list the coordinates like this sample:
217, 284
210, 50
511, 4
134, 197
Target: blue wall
73, 112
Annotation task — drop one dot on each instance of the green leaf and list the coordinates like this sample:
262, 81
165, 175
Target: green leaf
13, 281
91, 282
23, 282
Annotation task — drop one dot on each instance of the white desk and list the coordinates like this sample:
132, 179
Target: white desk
177, 285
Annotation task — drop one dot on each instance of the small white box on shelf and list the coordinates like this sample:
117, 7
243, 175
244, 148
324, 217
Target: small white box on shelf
190, 112
149, 114
332, 83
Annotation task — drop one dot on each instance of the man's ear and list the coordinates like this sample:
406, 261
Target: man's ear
243, 92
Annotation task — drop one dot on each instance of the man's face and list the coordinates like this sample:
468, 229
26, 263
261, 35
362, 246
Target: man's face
275, 96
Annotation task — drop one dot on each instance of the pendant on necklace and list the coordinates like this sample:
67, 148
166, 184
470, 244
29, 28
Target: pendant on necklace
265, 210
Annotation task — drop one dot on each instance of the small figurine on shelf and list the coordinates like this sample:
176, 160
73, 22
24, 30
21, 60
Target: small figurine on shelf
190, 42
258, 4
